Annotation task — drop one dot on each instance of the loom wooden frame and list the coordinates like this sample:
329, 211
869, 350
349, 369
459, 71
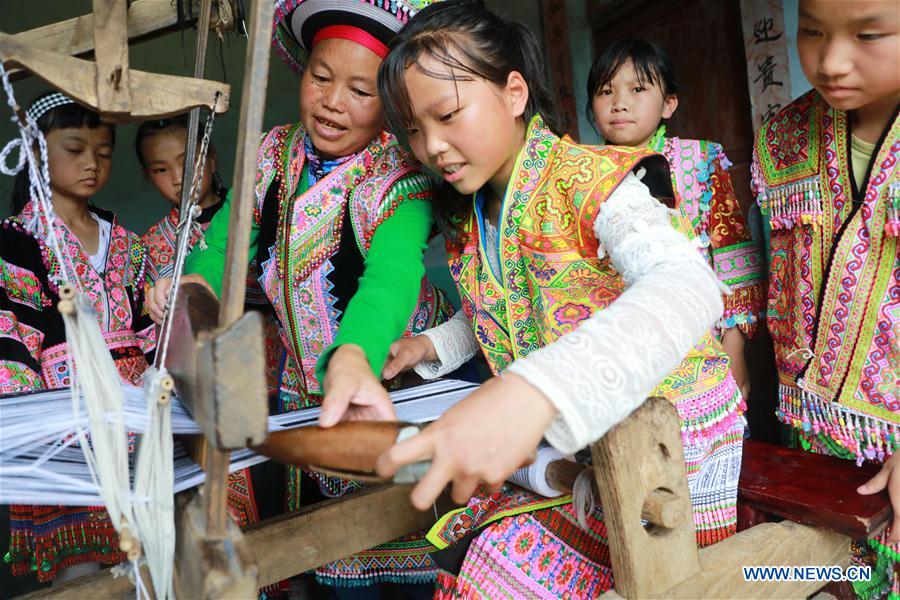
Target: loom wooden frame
662, 561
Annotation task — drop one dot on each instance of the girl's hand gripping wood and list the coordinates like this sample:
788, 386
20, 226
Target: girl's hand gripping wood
406, 353
483, 439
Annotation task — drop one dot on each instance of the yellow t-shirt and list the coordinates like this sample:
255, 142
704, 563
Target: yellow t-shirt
860, 156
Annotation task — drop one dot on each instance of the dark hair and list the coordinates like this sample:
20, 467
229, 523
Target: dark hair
651, 64
61, 117
151, 128
156, 126
473, 42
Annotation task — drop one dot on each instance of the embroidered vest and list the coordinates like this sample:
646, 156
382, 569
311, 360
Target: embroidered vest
111, 294
159, 243
374, 182
734, 256
834, 294
551, 278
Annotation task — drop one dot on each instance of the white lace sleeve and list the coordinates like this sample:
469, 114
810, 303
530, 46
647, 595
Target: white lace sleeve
599, 373
455, 343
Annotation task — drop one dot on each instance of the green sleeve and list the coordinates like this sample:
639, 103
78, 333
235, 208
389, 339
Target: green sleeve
211, 262
389, 288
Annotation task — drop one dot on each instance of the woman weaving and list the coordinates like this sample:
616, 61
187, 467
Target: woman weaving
341, 222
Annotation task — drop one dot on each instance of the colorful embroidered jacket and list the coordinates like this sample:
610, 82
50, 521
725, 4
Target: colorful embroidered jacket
709, 211
34, 335
312, 241
33, 356
551, 281
834, 281
159, 241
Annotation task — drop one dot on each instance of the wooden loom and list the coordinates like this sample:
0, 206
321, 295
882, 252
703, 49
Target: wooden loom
639, 465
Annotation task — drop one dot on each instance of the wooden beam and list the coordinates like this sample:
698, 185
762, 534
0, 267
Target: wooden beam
111, 41
639, 467
775, 544
253, 106
295, 542
152, 95
75, 37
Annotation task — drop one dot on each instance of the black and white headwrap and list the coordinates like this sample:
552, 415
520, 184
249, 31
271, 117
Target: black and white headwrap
46, 103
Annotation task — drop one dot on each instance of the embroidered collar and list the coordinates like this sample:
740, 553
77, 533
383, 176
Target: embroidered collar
318, 167
657, 142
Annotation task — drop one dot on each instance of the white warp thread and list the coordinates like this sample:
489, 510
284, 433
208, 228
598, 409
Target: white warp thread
107, 452
38, 464
534, 476
154, 480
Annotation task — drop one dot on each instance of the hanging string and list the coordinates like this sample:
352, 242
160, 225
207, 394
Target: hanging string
154, 473
154, 479
90, 365
30, 136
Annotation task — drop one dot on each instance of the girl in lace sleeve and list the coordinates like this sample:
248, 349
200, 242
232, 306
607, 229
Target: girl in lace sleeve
576, 289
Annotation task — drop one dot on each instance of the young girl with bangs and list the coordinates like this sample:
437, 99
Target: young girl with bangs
341, 222
61, 542
160, 145
574, 286
632, 89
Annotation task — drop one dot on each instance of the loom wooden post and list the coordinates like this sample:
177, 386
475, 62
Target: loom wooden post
111, 55
639, 468
253, 106
211, 566
253, 99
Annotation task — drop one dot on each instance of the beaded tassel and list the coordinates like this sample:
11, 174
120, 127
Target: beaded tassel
892, 226
867, 437
793, 203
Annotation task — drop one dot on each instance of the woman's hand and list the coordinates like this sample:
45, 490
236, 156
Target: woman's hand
352, 392
159, 294
406, 353
733, 341
483, 439
888, 477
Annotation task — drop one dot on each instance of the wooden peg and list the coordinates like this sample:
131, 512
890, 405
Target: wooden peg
663, 509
